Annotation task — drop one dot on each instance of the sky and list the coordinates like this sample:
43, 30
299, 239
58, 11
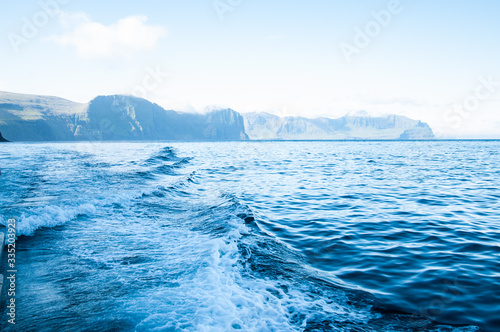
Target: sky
435, 61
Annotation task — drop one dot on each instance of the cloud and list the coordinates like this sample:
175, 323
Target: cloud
96, 40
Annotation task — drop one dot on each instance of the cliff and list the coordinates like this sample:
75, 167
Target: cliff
264, 126
2, 139
118, 117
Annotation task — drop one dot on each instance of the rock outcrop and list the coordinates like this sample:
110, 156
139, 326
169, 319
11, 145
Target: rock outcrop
2, 139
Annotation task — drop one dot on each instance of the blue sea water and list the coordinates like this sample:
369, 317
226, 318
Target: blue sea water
254, 236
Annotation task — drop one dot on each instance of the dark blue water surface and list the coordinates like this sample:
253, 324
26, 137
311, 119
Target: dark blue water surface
254, 236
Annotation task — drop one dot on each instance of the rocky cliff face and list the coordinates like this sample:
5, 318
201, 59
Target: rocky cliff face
39, 118
2, 140
226, 123
420, 131
261, 126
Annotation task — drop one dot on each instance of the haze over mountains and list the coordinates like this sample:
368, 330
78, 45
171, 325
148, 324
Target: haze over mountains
359, 126
43, 118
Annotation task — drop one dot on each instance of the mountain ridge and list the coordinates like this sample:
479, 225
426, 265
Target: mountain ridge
267, 126
115, 117
121, 117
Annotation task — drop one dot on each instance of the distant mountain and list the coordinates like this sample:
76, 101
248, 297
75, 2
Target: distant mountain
264, 126
119, 117
41, 118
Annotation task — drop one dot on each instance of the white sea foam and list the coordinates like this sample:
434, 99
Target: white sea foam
33, 218
217, 297
49, 216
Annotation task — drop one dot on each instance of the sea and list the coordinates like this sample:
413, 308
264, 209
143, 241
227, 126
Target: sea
252, 236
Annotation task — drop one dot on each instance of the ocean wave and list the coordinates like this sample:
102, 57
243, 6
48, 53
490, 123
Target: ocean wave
170, 248
48, 216
241, 278
165, 154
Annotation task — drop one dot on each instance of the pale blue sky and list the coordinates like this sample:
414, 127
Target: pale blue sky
283, 57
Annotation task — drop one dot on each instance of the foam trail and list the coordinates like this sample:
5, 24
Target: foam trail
48, 216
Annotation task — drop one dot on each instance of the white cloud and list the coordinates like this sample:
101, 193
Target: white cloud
96, 40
